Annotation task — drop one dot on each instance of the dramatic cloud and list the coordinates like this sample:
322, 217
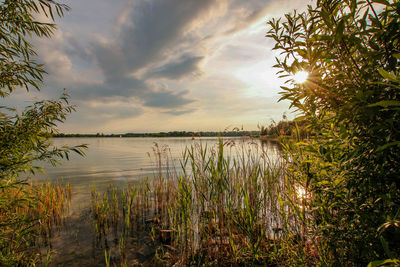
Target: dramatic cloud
189, 63
155, 28
147, 33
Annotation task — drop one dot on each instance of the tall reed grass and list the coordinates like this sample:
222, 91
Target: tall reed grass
28, 216
227, 205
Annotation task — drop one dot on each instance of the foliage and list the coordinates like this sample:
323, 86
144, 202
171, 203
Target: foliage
19, 20
24, 137
351, 49
285, 128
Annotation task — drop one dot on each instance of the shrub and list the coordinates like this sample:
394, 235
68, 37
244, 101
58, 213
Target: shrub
351, 99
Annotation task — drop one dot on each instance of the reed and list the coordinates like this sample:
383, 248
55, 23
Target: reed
227, 205
29, 214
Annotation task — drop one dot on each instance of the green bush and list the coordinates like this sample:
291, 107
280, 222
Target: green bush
351, 49
24, 137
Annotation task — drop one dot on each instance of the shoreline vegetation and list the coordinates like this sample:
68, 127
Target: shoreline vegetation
332, 199
238, 209
274, 131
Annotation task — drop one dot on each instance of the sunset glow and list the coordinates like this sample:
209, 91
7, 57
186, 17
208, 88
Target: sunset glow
300, 77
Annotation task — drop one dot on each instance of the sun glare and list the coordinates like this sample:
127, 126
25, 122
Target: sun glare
301, 192
300, 76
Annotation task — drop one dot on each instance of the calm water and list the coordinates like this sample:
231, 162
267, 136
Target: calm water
121, 161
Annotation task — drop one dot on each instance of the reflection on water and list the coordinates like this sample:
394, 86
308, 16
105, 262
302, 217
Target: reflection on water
123, 161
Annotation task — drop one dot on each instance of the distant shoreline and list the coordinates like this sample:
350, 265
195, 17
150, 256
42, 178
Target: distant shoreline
255, 134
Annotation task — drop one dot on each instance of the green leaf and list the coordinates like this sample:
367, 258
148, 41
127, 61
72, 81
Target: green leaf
388, 75
387, 262
325, 16
339, 31
385, 246
385, 103
388, 145
300, 118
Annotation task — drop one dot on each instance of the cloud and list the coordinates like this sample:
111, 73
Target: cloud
111, 60
76, 49
167, 99
180, 112
147, 57
112, 109
155, 28
247, 20
124, 88
186, 64
95, 114
149, 34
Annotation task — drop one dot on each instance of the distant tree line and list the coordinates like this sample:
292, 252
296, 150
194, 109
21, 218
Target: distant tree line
167, 134
286, 128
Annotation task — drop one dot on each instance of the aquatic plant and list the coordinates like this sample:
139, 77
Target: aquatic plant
29, 214
226, 205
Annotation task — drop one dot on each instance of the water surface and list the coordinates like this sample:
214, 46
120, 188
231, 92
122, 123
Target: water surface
120, 162
123, 161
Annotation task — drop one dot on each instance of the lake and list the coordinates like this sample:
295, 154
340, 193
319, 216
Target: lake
120, 162
123, 161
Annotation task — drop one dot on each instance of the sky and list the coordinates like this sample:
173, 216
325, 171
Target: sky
164, 65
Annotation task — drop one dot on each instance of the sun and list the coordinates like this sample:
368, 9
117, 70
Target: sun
300, 76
